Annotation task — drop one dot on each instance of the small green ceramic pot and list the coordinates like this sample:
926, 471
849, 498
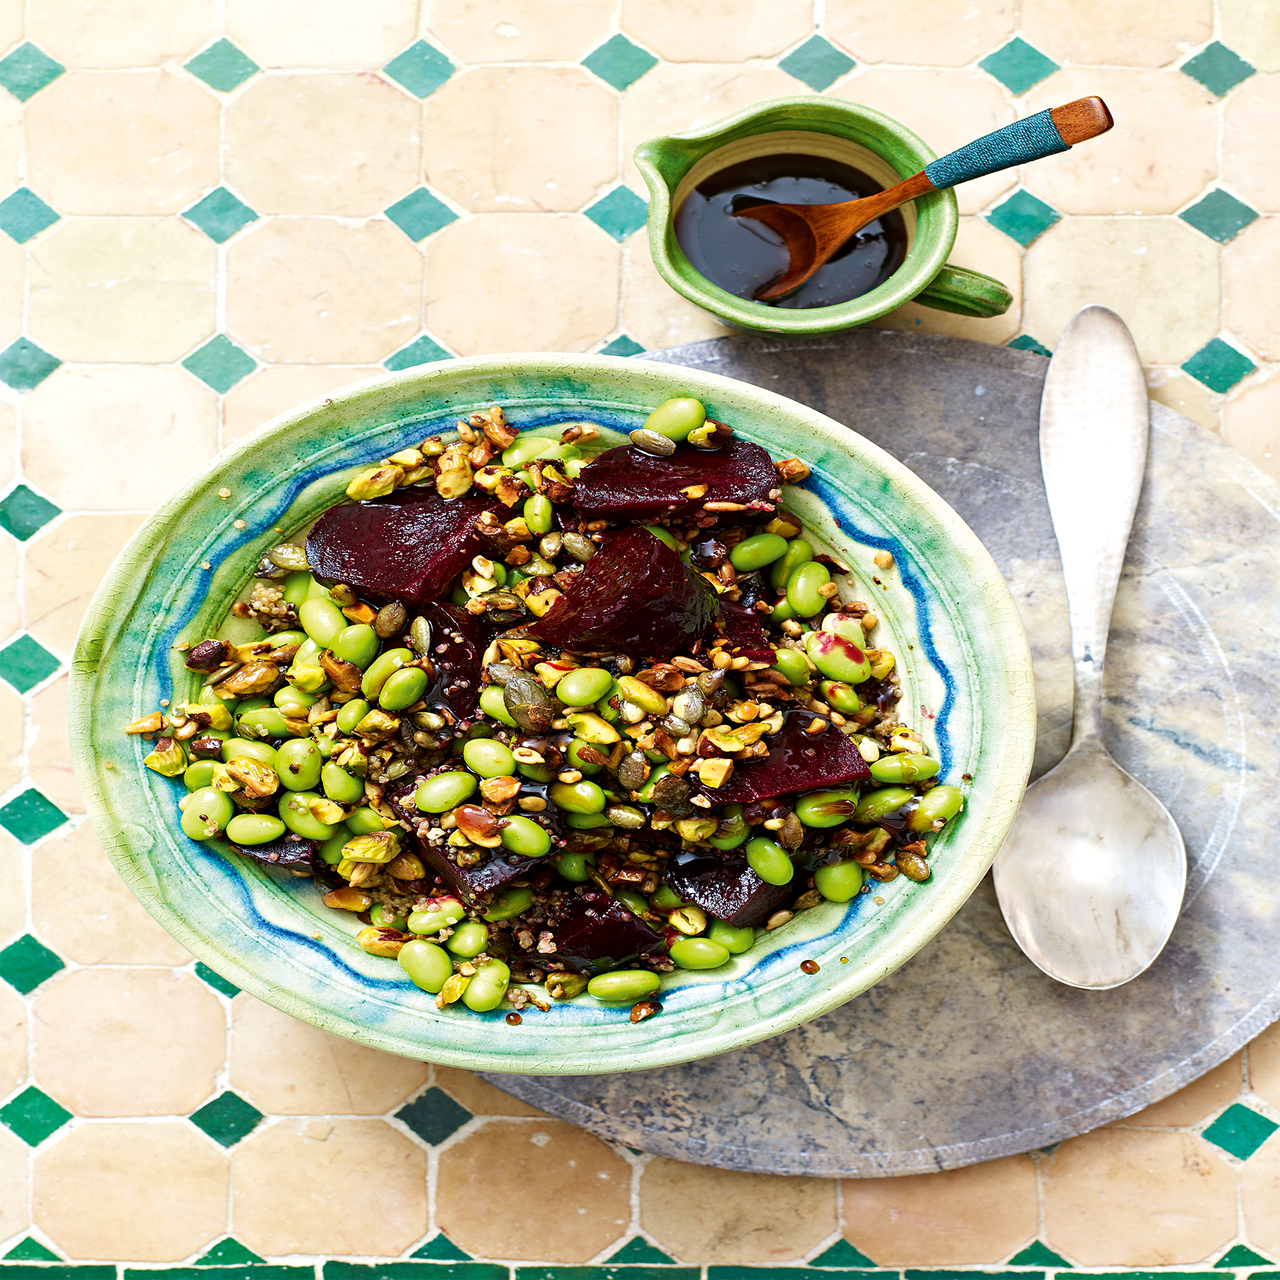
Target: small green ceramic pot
846, 131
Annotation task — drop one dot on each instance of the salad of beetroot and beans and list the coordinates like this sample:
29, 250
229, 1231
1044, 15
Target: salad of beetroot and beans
552, 718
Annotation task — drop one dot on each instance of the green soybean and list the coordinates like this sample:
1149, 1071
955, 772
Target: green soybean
429, 967
574, 468
365, 822
289, 697
798, 552
263, 752
573, 867
199, 774
837, 656
444, 791
757, 551
339, 785
279, 639
509, 903
584, 686
331, 849
882, 803
733, 828
940, 804
322, 620
663, 535
206, 813
296, 586
524, 836
840, 696
906, 767
351, 713
573, 753
827, 808
318, 591
357, 644
538, 514
577, 797
645, 794
469, 939
802, 588
385, 918
734, 939
524, 449
298, 764
791, 663
698, 953
677, 417
325, 746
665, 899
444, 913
586, 821
781, 611
537, 772
491, 704
383, 666
262, 723
488, 758
838, 881
308, 652
295, 814
623, 986
487, 990
403, 688
254, 828
770, 861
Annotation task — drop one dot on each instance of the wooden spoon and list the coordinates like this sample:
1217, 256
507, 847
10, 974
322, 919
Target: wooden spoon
813, 232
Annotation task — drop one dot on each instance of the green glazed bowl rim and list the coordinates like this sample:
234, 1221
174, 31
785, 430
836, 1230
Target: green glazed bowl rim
272, 937
938, 216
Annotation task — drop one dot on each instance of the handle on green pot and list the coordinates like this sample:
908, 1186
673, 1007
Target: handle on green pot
967, 293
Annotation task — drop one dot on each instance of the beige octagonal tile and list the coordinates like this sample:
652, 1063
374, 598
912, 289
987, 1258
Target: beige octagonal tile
931, 33
12, 730
12, 17
1247, 160
520, 30
500, 1162
122, 33
1187, 395
49, 751
1252, 312
653, 313
497, 283
13, 905
315, 291
14, 1184
1133, 266
1160, 154
1137, 33
321, 33
354, 1187
8, 453
480, 1098
13, 1043
1249, 28
11, 139
495, 138
151, 1192
275, 389
1260, 1196
1201, 1098
122, 289
682, 32
13, 271
1251, 422
122, 142
343, 144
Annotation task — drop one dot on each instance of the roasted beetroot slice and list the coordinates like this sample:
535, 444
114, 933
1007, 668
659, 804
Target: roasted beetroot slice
291, 853
746, 636
725, 887
594, 932
406, 546
797, 761
458, 642
628, 484
635, 596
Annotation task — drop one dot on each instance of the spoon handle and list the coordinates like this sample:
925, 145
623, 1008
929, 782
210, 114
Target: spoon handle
1093, 452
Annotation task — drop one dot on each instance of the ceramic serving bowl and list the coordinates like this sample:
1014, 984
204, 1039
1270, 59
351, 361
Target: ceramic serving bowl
945, 612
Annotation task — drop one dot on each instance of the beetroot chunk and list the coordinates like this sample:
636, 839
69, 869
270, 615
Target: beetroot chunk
797, 761
290, 853
593, 932
406, 546
747, 638
458, 642
725, 887
634, 596
628, 484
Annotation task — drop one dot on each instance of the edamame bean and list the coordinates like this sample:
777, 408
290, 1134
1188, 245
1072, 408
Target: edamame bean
697, 953
537, 772
440, 913
445, 791
573, 867
263, 752
262, 723
509, 903
366, 821
663, 535
798, 552
322, 620
280, 639
428, 966
308, 652
403, 688
907, 767
487, 990
296, 586
584, 686
791, 663
331, 849
769, 861
491, 704
469, 939
357, 644
623, 986
488, 758
539, 515
524, 836
574, 468
381, 668
573, 753
836, 656
840, 696
385, 918
733, 829
254, 828
757, 551
677, 417
781, 611
289, 697
296, 814
206, 813
577, 797
198, 774
802, 588
645, 794
586, 821
298, 764
318, 591
883, 803
734, 939
525, 449
325, 746
838, 881
351, 713
827, 808
339, 785
937, 805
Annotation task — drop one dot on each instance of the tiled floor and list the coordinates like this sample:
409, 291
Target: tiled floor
215, 209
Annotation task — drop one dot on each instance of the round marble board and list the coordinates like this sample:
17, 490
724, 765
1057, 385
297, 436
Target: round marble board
968, 1052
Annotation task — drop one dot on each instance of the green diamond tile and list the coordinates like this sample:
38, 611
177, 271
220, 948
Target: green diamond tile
620, 213
30, 817
1219, 215
420, 214
421, 1271
1217, 68
1240, 1255
441, 1249
1025, 342
27, 963
222, 66
1038, 1255
30, 1250
621, 346
227, 1119
1022, 217
220, 363
216, 981
24, 366
228, 1252
40, 1271
818, 63
434, 1116
842, 1254
220, 215
420, 68
619, 62
1218, 365
23, 513
638, 1249
24, 663
24, 214
1018, 66
422, 350
33, 1115
27, 70
1240, 1131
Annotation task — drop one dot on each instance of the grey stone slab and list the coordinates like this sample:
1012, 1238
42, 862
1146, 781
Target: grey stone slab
968, 1052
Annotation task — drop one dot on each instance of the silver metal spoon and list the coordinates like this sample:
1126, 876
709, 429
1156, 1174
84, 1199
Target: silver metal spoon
1091, 877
